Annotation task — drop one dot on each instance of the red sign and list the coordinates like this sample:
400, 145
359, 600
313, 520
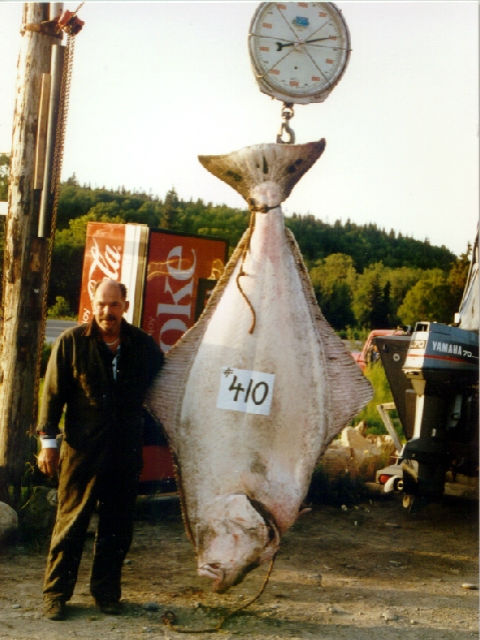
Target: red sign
181, 272
103, 256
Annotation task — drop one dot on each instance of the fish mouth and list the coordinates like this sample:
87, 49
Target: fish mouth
229, 549
222, 580
214, 571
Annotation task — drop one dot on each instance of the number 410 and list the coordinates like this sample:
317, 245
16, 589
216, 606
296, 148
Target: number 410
258, 392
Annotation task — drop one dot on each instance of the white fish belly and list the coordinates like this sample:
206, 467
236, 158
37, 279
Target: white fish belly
256, 407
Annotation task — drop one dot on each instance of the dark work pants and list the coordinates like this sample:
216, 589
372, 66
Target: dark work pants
114, 494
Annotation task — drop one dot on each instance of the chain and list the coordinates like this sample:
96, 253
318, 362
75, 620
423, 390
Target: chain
287, 114
62, 123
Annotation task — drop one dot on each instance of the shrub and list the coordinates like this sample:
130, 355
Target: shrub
61, 309
382, 393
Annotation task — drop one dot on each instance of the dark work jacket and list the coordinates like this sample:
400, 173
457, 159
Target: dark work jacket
103, 417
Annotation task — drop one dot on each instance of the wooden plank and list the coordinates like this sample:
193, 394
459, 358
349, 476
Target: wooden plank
42, 127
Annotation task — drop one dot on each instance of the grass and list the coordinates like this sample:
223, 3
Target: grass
382, 394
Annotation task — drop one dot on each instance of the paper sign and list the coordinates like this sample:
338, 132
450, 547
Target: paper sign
245, 391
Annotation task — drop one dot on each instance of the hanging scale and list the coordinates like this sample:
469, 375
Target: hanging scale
298, 51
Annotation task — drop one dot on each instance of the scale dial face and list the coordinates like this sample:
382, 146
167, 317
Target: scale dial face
299, 50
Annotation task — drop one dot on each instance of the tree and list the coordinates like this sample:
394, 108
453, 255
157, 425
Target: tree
148, 213
61, 309
337, 308
170, 209
457, 277
66, 274
74, 201
106, 211
4, 170
401, 280
429, 299
333, 253
333, 280
371, 300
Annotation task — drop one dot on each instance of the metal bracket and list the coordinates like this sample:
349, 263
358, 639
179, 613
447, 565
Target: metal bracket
383, 410
67, 22
46, 28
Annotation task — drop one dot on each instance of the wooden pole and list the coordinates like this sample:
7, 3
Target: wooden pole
25, 261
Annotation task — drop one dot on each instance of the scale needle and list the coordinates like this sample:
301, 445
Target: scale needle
280, 45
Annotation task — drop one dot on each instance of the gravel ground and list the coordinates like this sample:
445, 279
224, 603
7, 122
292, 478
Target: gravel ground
371, 572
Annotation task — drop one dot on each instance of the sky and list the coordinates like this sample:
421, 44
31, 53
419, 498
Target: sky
155, 84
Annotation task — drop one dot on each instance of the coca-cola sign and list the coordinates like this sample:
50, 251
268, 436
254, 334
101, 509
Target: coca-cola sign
180, 269
104, 249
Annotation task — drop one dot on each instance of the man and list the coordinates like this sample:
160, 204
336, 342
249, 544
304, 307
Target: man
100, 373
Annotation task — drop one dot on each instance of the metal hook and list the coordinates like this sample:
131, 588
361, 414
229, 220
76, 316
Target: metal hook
285, 129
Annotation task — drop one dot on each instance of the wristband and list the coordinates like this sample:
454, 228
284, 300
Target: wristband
48, 443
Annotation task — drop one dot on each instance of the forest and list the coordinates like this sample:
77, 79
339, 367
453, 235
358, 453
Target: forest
364, 277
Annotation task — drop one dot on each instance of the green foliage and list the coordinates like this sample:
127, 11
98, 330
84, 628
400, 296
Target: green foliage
431, 298
366, 245
458, 274
382, 393
4, 169
61, 309
361, 274
334, 279
400, 281
371, 299
76, 201
170, 209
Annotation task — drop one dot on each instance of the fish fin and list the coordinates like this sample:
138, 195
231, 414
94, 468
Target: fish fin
350, 390
165, 396
181, 493
246, 168
164, 399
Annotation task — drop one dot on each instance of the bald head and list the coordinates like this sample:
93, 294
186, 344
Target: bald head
109, 305
120, 285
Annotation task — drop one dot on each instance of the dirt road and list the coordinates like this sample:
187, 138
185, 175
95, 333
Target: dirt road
368, 572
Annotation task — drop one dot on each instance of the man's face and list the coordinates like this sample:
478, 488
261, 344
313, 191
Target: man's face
109, 307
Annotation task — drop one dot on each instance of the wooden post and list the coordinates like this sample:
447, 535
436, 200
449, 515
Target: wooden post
25, 262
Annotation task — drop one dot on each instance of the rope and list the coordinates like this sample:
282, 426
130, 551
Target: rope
242, 273
253, 210
169, 618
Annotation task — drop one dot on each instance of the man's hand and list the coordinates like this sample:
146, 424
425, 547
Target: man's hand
47, 461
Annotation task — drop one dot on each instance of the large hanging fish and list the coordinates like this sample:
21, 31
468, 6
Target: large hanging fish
251, 396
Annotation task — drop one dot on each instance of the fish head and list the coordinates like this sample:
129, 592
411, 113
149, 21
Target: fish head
237, 537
